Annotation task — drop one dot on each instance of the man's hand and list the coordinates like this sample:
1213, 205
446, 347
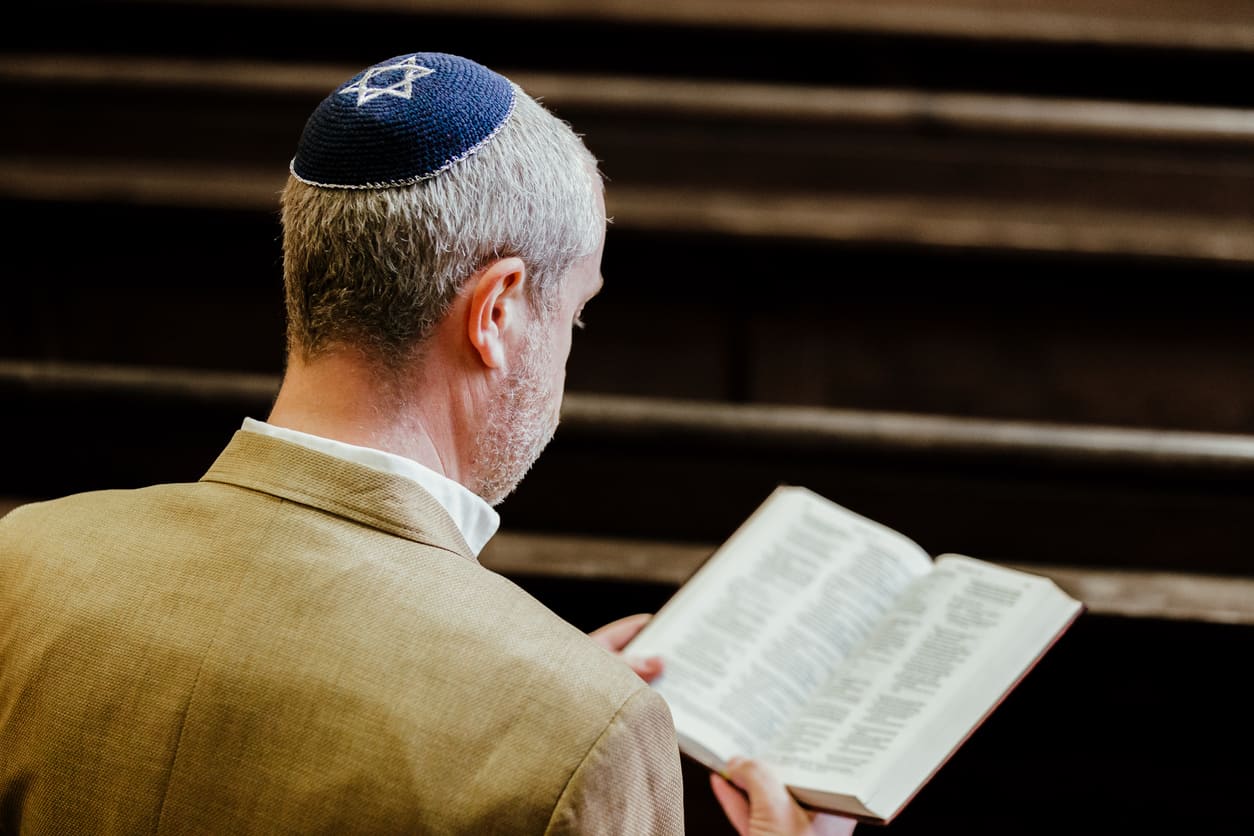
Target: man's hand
614, 637
769, 810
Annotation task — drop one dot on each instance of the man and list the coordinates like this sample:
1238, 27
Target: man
303, 641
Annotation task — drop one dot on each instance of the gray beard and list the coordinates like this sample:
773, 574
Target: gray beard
519, 425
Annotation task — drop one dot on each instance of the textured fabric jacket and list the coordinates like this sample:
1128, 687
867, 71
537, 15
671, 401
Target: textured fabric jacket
298, 644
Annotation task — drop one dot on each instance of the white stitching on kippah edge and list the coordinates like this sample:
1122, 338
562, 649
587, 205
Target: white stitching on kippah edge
390, 184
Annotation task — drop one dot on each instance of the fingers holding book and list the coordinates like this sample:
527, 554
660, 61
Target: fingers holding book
757, 804
615, 636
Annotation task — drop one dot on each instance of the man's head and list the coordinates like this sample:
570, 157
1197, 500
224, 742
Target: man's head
428, 188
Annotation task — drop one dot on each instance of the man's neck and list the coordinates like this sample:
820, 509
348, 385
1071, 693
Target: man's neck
340, 396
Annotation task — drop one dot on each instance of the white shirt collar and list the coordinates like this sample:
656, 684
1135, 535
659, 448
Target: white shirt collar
474, 517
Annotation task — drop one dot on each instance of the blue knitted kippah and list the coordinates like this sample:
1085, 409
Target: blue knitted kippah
403, 120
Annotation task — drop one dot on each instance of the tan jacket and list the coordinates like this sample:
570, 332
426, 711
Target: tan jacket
297, 644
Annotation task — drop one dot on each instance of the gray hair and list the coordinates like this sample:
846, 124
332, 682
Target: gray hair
376, 269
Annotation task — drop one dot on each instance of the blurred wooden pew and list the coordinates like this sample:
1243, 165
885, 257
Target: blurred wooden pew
771, 161
683, 471
1010, 255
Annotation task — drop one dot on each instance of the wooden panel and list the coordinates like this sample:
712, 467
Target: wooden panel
957, 253
843, 165
711, 318
103, 283
1201, 24
1078, 358
1126, 593
1099, 498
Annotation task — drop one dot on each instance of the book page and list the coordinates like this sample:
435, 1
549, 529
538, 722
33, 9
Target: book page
759, 628
945, 655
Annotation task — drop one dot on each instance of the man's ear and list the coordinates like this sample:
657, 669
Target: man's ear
497, 305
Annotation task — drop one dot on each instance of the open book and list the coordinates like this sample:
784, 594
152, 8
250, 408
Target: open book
838, 652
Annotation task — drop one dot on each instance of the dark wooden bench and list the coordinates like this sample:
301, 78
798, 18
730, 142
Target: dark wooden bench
775, 161
938, 163
1006, 253
685, 471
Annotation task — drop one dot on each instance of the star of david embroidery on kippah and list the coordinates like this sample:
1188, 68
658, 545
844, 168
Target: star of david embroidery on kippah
402, 89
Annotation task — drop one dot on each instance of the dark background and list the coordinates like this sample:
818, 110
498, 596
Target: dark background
1040, 214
